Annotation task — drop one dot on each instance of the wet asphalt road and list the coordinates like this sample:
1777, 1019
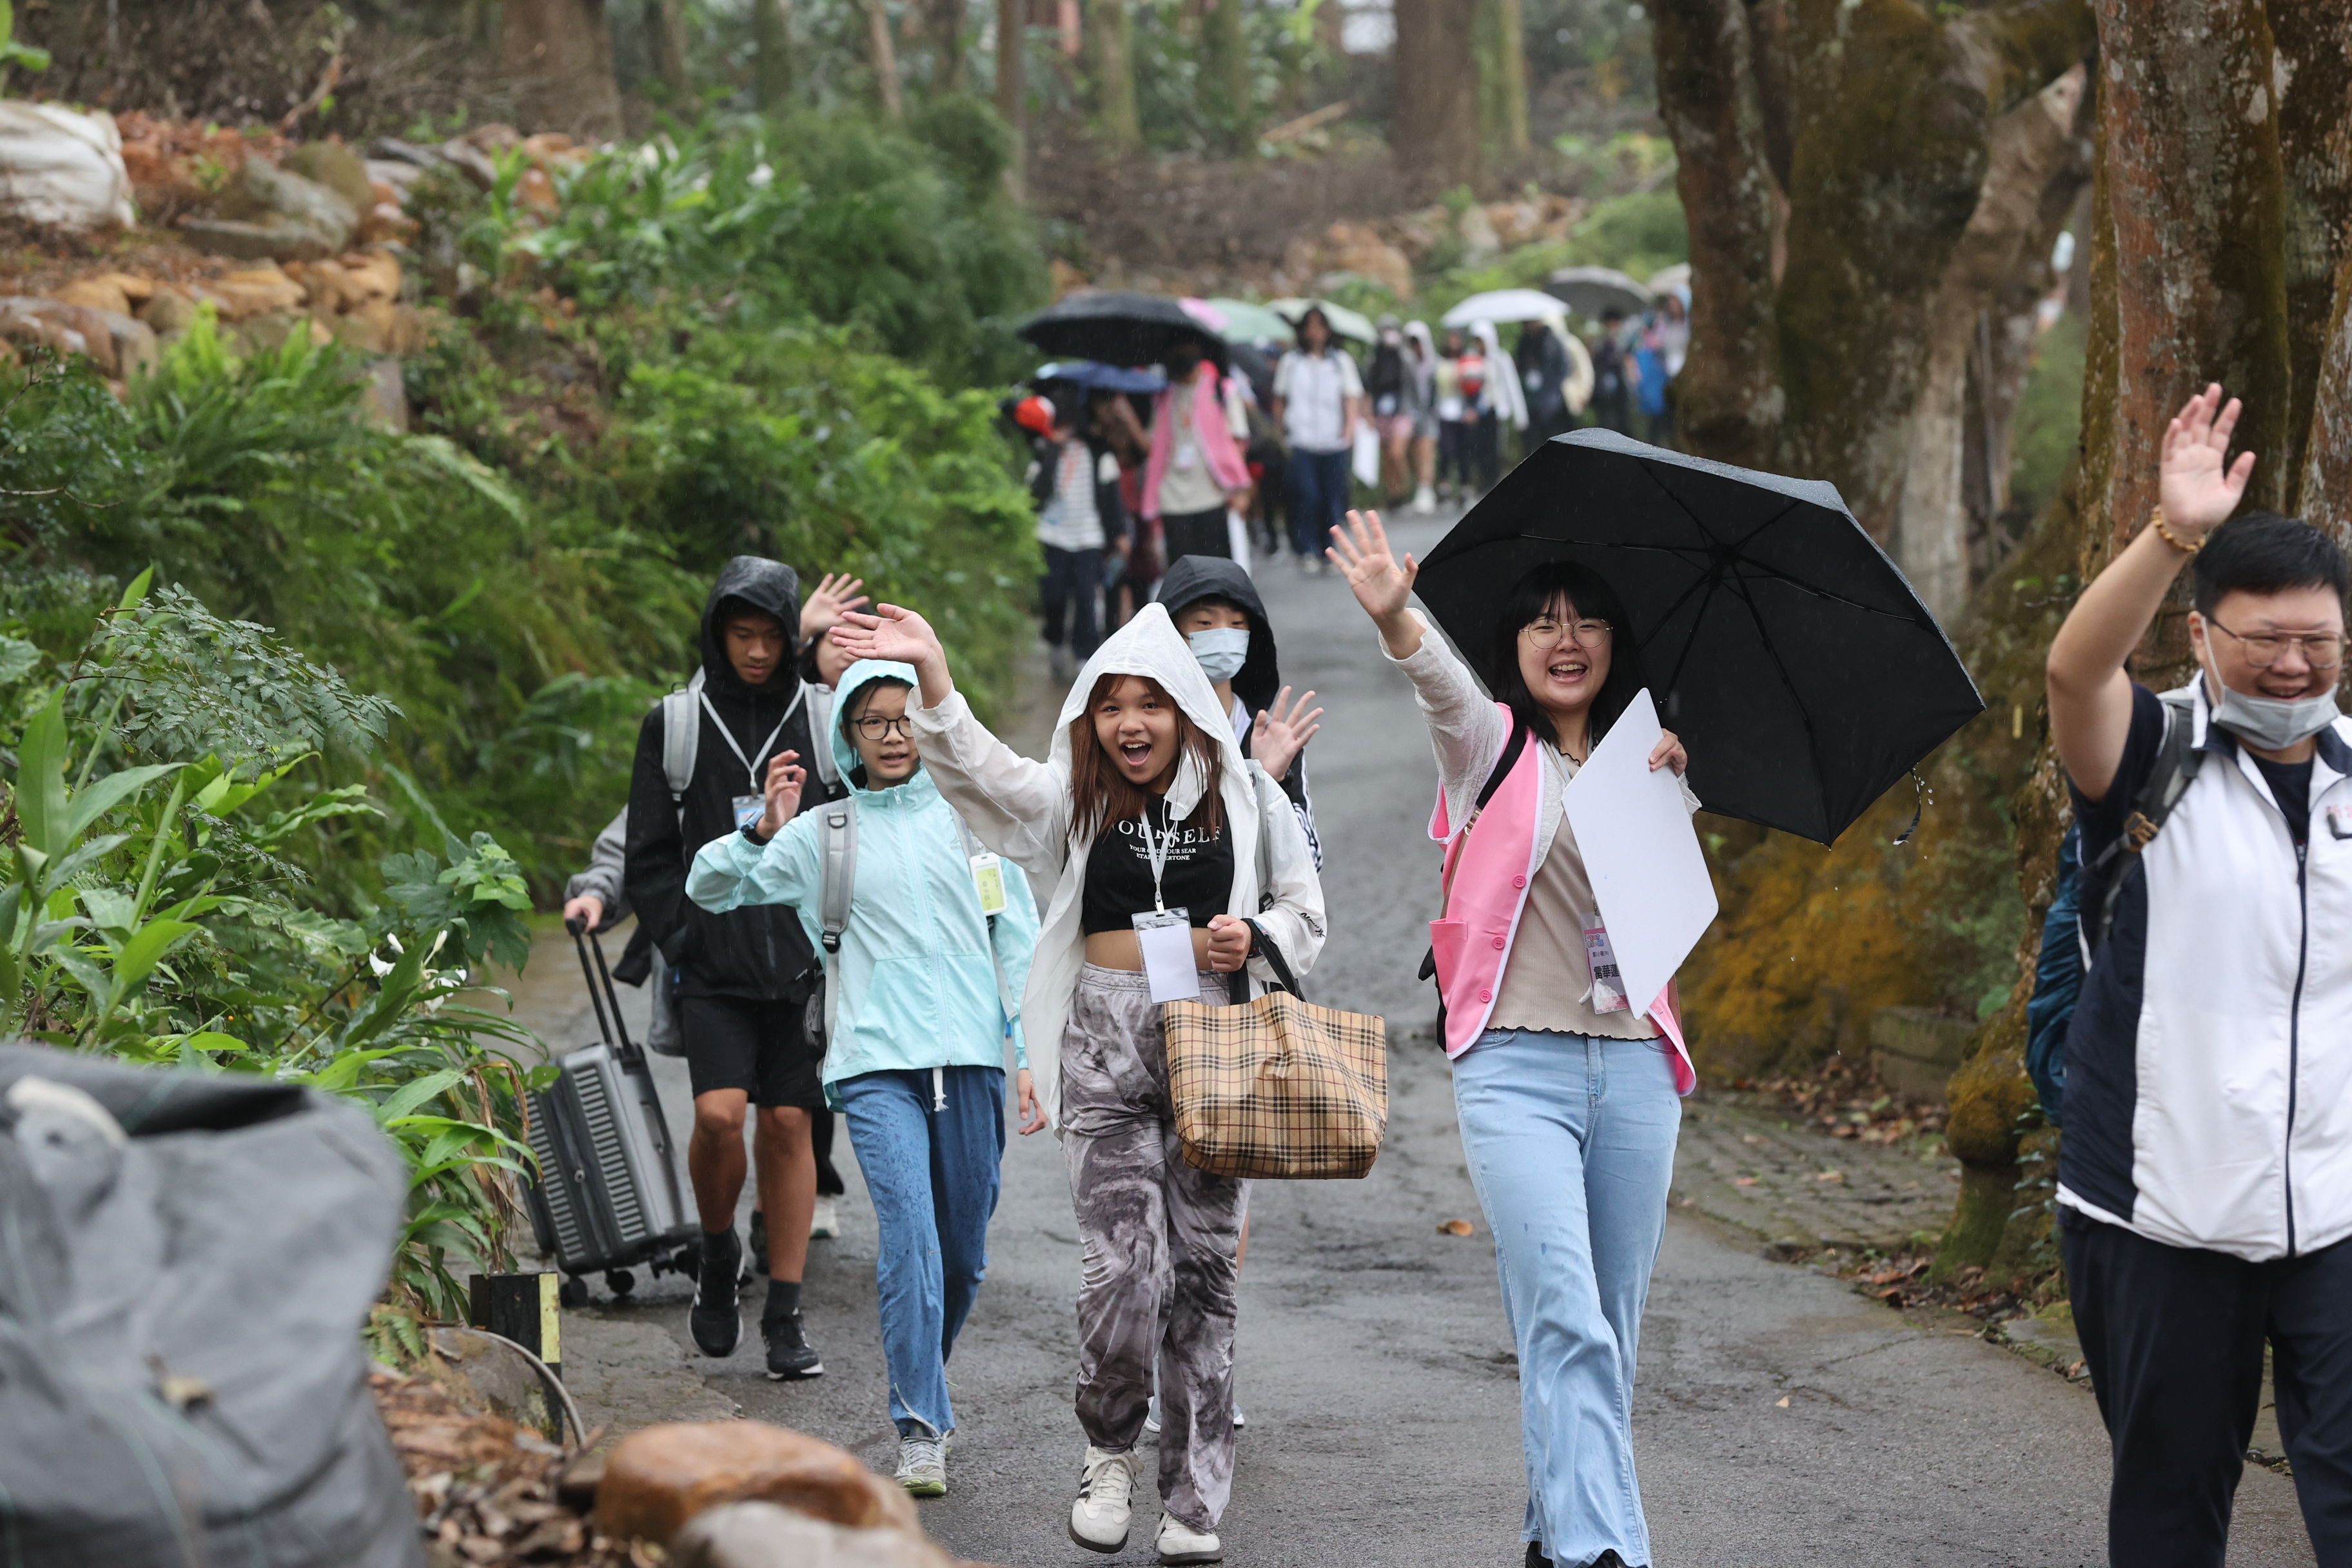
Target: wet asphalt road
1782, 1420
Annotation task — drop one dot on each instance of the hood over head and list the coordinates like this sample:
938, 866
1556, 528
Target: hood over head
1418, 332
1150, 644
1194, 577
769, 587
858, 677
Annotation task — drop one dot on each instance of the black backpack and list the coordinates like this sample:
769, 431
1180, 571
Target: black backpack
2069, 942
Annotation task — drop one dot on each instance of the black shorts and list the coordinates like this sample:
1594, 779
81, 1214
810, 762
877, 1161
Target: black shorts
735, 1042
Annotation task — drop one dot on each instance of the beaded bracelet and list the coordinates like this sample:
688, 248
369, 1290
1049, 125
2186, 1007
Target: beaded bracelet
2174, 539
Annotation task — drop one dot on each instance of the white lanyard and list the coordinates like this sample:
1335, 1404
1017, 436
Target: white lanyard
751, 765
1157, 851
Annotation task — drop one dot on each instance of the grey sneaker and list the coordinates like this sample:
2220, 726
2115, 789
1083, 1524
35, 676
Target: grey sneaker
923, 1466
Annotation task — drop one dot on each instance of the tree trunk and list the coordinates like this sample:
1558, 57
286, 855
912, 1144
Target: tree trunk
559, 56
2315, 49
883, 56
1110, 42
1226, 45
1503, 78
1012, 85
666, 41
1436, 128
771, 36
946, 26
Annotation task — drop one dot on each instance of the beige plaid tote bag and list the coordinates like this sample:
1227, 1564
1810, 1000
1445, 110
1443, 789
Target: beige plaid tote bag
1276, 1087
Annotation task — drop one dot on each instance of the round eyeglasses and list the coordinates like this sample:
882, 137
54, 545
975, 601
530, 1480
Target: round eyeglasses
2321, 650
875, 727
1546, 632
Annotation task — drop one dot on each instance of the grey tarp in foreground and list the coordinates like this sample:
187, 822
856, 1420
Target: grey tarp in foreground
183, 1276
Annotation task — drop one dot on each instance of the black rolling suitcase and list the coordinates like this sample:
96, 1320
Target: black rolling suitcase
608, 1194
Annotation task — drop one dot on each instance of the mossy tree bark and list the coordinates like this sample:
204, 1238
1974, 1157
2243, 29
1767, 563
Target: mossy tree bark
772, 42
665, 26
943, 20
1834, 156
1231, 84
559, 56
1111, 50
882, 51
1435, 129
1502, 50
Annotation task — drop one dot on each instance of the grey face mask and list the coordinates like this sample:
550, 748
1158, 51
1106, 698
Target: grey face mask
1222, 651
2274, 723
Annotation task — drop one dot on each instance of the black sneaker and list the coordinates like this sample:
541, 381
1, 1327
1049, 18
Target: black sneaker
717, 1321
757, 1268
790, 1355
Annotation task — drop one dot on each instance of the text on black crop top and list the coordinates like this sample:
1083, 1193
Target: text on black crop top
1197, 877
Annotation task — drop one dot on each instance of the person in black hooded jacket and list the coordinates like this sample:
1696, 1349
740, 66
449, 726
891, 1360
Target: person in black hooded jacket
1212, 599
743, 977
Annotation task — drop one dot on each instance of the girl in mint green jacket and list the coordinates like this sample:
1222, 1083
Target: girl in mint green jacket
924, 984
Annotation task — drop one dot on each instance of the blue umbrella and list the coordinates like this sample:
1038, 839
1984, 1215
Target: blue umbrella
1096, 376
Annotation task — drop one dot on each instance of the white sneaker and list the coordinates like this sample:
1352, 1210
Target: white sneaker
1177, 1544
1099, 1519
1424, 501
923, 1466
825, 1220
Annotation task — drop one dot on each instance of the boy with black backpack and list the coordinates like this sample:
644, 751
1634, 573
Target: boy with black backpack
742, 979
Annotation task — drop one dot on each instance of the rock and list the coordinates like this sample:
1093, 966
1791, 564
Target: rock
495, 137
550, 148
656, 1480
299, 201
135, 288
61, 169
98, 293
1355, 247
375, 274
385, 221
1916, 1050
413, 330
335, 166
536, 191
274, 239
393, 150
472, 163
169, 312
256, 291
23, 322
268, 333
136, 347
1479, 240
371, 328
762, 1535
330, 288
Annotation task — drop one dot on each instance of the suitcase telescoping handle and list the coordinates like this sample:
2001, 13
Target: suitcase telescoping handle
601, 993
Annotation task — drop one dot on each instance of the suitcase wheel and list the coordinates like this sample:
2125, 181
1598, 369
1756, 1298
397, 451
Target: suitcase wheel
573, 1292
619, 1281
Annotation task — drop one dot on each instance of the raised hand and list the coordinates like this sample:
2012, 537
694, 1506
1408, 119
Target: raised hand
893, 632
1281, 732
2199, 487
1669, 753
835, 592
1361, 552
783, 790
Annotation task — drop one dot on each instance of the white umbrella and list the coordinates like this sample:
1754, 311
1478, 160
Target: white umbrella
1675, 280
1502, 306
1345, 323
1591, 290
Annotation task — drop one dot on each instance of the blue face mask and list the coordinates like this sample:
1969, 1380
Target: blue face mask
1222, 650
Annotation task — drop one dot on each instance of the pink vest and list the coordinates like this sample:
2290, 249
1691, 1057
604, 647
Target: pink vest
1218, 449
1490, 868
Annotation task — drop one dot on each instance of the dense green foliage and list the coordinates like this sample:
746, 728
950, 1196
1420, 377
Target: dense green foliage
151, 912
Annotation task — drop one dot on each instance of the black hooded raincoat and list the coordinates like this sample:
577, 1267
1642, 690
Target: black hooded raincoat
760, 952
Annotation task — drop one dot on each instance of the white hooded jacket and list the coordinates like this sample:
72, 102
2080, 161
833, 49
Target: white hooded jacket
1022, 809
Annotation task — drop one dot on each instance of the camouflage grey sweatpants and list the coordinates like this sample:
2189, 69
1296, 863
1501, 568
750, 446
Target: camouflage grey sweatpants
1160, 1241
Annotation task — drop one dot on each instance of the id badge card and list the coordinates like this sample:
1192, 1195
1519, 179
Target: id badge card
988, 878
1188, 455
749, 809
1608, 986
1166, 938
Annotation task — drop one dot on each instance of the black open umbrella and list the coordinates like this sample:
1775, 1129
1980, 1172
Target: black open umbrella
1119, 328
1782, 643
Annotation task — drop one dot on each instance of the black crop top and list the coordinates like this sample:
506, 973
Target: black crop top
1197, 878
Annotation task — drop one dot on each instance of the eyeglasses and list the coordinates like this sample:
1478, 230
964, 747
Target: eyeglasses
1548, 632
874, 726
2321, 650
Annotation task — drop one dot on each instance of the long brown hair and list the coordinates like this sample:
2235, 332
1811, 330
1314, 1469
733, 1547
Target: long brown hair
1101, 794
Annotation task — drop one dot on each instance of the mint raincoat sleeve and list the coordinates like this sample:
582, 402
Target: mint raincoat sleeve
732, 871
1014, 938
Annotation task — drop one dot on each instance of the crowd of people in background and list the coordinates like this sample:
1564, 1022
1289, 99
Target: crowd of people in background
1253, 453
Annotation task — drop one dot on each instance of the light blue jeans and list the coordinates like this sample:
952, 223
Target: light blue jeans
933, 1175
1571, 1142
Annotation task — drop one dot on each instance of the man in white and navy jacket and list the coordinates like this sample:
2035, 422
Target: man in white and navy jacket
2205, 1180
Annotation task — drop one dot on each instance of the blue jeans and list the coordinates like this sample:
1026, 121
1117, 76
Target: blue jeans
1318, 495
933, 1175
1571, 1142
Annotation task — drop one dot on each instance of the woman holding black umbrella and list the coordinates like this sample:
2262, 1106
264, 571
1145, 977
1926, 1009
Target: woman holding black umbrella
1567, 1090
